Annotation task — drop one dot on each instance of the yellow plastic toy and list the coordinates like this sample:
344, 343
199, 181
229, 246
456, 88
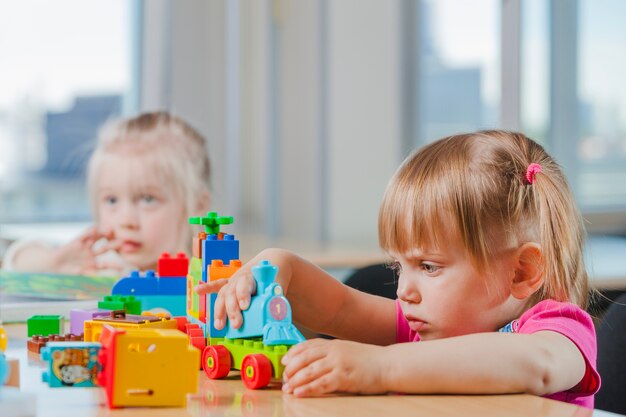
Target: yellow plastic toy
119, 319
147, 367
3, 339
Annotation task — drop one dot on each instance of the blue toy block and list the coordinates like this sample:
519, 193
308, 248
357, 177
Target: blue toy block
5, 371
135, 284
226, 250
172, 286
71, 364
175, 305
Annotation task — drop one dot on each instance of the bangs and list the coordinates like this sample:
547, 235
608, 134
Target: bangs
415, 216
433, 199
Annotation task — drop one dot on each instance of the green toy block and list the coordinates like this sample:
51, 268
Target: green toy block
211, 222
127, 303
45, 325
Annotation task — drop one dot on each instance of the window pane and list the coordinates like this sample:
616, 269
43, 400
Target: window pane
65, 67
597, 163
458, 85
602, 103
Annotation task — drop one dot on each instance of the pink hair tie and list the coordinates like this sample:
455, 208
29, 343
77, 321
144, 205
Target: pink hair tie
532, 170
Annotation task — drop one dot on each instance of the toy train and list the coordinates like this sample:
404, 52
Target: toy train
257, 347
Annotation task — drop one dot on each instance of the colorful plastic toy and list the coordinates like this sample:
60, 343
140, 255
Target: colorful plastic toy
78, 317
45, 325
37, 342
147, 367
4, 370
3, 339
161, 292
256, 348
71, 364
119, 319
128, 303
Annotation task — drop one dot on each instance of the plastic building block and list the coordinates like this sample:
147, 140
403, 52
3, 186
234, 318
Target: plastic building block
195, 302
127, 303
172, 285
169, 266
3, 339
78, 317
135, 284
147, 367
211, 222
4, 370
217, 270
226, 249
71, 364
173, 305
154, 293
45, 325
37, 342
119, 319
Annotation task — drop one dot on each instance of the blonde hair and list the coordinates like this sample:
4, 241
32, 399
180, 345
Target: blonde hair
473, 187
180, 153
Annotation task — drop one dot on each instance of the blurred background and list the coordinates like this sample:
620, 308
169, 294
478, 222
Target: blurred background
309, 106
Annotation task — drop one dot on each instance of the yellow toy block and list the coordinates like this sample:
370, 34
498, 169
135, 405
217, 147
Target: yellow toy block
147, 367
119, 319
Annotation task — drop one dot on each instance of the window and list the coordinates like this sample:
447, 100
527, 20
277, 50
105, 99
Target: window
65, 68
458, 81
574, 99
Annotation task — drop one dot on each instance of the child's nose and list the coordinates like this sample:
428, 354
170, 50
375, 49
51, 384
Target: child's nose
129, 217
408, 291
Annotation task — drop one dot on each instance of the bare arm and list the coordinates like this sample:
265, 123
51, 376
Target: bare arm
484, 363
318, 301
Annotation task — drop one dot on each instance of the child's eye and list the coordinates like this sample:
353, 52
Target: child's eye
148, 199
110, 199
395, 266
430, 268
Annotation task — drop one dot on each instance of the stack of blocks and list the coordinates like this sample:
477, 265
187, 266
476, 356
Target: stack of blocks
161, 292
216, 255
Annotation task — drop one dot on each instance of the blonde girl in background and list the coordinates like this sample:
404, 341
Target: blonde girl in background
146, 176
488, 244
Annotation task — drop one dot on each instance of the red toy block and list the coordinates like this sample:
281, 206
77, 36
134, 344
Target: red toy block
169, 266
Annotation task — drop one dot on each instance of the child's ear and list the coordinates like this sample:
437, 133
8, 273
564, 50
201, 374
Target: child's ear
529, 273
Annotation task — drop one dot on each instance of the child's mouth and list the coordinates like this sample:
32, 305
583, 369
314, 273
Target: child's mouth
130, 246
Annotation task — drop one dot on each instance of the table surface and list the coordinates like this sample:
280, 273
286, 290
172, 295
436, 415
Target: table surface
229, 397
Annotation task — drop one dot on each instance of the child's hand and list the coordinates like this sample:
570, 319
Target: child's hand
233, 296
320, 366
78, 257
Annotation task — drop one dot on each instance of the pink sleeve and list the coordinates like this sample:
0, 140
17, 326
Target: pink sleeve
575, 324
403, 331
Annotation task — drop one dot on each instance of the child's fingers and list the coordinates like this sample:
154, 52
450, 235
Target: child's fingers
302, 355
210, 287
219, 312
244, 288
233, 311
107, 246
310, 380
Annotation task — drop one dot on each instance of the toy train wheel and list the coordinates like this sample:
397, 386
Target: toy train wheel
216, 361
256, 371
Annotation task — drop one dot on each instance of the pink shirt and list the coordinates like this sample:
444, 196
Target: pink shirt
564, 318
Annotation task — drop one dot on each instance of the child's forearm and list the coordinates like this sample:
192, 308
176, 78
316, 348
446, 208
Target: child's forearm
32, 256
323, 304
540, 363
